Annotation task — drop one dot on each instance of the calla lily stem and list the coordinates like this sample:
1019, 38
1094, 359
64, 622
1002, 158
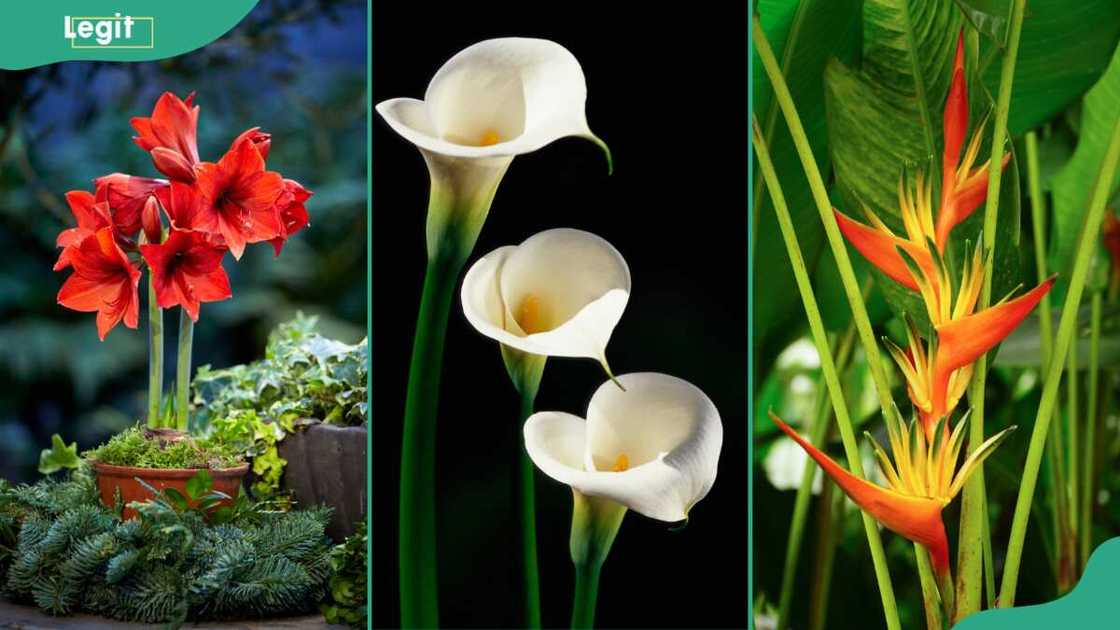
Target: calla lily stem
972, 543
183, 371
812, 312
418, 568
595, 523
1090, 229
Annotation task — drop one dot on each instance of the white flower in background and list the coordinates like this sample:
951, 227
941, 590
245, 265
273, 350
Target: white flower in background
653, 448
785, 464
560, 293
492, 101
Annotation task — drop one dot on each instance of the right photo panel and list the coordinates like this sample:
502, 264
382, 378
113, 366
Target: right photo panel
935, 267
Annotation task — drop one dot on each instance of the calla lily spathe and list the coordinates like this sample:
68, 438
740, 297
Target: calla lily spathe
653, 448
490, 102
559, 293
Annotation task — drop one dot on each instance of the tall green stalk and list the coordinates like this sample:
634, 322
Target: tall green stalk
418, 569
821, 419
829, 520
155, 357
1055, 445
1090, 429
972, 542
525, 371
595, 523
1090, 228
1073, 473
183, 371
816, 323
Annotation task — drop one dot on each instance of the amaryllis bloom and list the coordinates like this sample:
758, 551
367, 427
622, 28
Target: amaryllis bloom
559, 293
127, 196
170, 136
90, 215
293, 211
259, 139
187, 270
103, 282
938, 373
490, 102
653, 448
922, 480
963, 189
238, 199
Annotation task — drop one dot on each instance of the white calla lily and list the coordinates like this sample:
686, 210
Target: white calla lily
560, 293
492, 101
652, 448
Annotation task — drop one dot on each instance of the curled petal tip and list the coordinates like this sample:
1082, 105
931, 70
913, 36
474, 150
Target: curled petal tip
610, 374
606, 151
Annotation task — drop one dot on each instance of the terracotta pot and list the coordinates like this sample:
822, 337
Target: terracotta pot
110, 478
327, 465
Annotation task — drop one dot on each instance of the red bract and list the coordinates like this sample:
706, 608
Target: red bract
239, 199
259, 139
170, 136
187, 270
90, 215
126, 196
104, 281
293, 212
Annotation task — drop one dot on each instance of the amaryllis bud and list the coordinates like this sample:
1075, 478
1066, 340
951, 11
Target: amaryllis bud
261, 141
151, 220
173, 164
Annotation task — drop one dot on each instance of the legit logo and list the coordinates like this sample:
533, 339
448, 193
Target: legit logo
110, 32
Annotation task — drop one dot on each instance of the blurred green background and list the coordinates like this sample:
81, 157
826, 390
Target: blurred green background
297, 68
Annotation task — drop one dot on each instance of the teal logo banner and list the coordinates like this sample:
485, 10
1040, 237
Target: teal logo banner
1091, 604
41, 33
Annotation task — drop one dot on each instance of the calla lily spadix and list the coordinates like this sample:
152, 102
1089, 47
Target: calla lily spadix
652, 448
560, 293
492, 101
922, 480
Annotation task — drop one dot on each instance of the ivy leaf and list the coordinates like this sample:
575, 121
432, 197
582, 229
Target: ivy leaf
58, 456
199, 484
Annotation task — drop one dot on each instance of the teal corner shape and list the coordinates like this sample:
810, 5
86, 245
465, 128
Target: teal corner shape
1091, 604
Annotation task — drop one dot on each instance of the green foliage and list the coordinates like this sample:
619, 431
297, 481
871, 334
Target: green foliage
346, 599
58, 456
133, 448
168, 566
304, 375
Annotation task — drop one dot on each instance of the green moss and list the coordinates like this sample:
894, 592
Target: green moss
133, 448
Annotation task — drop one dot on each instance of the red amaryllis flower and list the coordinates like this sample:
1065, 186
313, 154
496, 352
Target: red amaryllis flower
91, 217
261, 140
126, 196
187, 270
239, 199
104, 281
170, 136
293, 212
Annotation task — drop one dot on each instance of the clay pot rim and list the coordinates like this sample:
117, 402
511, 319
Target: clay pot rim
166, 473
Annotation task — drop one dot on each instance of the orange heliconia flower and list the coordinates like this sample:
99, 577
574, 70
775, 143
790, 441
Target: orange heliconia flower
922, 480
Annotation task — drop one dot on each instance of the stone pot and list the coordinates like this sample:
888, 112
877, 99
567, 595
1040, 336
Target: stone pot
327, 465
110, 478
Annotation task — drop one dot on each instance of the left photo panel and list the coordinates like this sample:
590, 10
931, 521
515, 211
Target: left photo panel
183, 313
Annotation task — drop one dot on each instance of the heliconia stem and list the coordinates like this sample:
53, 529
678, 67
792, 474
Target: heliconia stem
1090, 429
1090, 230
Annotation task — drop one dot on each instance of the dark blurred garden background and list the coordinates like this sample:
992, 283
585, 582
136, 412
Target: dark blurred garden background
297, 68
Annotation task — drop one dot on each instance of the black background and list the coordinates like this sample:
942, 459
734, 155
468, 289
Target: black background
667, 90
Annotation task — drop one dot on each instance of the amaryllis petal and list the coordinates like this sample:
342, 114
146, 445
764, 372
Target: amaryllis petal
103, 281
90, 216
293, 212
653, 448
150, 220
259, 139
186, 271
918, 519
559, 293
173, 126
881, 250
239, 199
126, 196
499, 97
